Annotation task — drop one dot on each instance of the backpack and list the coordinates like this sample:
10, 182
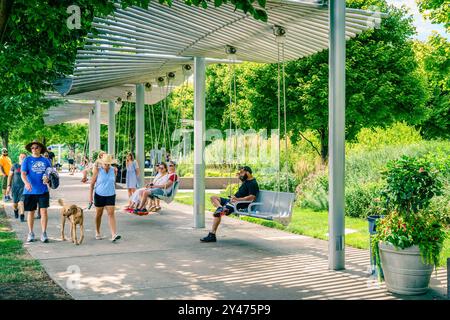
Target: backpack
53, 177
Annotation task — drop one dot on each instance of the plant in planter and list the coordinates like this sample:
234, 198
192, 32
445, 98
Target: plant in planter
410, 237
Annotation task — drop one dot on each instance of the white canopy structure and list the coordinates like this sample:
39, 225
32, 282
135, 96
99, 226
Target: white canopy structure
136, 46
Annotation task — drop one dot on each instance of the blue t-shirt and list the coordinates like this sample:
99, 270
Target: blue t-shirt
35, 169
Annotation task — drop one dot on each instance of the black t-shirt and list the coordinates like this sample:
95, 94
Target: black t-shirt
248, 187
51, 156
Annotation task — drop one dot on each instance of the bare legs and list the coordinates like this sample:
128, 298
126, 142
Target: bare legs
18, 206
111, 219
215, 200
215, 225
130, 192
98, 220
44, 220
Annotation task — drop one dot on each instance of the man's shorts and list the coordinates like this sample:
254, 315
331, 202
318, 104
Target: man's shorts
17, 194
223, 203
4, 182
31, 201
101, 201
71, 161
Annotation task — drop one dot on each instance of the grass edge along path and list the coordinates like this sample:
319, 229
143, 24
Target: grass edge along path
313, 224
21, 276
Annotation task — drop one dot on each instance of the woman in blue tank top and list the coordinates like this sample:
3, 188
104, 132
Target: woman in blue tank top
103, 192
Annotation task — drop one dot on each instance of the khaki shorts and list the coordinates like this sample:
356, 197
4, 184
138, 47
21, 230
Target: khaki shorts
4, 182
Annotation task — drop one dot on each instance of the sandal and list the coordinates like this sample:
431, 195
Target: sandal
98, 237
157, 209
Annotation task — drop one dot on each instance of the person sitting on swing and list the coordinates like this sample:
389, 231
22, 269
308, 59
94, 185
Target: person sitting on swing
248, 191
135, 198
155, 201
161, 187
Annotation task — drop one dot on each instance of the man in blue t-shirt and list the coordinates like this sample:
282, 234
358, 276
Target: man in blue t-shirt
36, 190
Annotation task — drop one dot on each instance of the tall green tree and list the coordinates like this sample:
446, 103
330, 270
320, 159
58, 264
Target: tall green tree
438, 11
383, 85
434, 57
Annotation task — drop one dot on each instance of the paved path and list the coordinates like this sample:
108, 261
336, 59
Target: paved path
160, 257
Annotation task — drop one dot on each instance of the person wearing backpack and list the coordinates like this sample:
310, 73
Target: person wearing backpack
36, 192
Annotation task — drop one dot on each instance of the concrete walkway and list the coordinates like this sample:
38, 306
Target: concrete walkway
160, 257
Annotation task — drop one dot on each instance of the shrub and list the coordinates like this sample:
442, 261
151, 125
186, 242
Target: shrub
270, 182
411, 183
359, 199
399, 134
313, 194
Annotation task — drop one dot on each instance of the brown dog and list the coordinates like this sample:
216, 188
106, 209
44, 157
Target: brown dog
75, 215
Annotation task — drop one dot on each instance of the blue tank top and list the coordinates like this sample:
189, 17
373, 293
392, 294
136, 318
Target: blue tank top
105, 185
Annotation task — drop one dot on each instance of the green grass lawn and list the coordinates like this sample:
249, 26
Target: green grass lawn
314, 224
21, 276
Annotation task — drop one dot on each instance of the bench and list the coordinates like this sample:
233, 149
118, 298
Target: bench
168, 198
269, 205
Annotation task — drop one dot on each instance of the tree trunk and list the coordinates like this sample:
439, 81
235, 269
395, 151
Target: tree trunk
323, 145
5, 11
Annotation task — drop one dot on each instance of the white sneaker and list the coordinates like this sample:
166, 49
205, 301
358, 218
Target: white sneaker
44, 237
30, 237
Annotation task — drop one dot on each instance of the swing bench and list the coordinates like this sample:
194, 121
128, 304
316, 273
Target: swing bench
269, 205
168, 198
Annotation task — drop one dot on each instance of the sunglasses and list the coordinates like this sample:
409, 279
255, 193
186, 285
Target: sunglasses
171, 165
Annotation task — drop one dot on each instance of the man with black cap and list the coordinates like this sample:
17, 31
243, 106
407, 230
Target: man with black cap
36, 187
248, 191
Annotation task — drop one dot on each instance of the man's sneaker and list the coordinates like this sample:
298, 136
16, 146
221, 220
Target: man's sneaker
16, 214
38, 216
22, 218
211, 237
44, 237
30, 237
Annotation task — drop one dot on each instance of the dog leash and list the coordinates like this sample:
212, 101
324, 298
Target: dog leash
89, 206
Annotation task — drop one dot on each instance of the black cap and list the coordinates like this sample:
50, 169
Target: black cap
246, 168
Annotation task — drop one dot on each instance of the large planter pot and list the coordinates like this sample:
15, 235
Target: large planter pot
404, 271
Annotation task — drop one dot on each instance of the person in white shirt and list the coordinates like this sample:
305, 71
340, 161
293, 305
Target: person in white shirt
163, 186
135, 198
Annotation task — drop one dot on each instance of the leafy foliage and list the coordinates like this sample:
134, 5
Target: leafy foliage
436, 10
411, 183
422, 229
434, 63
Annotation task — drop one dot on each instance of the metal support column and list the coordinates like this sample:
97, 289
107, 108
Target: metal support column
140, 129
111, 127
199, 141
97, 124
91, 133
336, 140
